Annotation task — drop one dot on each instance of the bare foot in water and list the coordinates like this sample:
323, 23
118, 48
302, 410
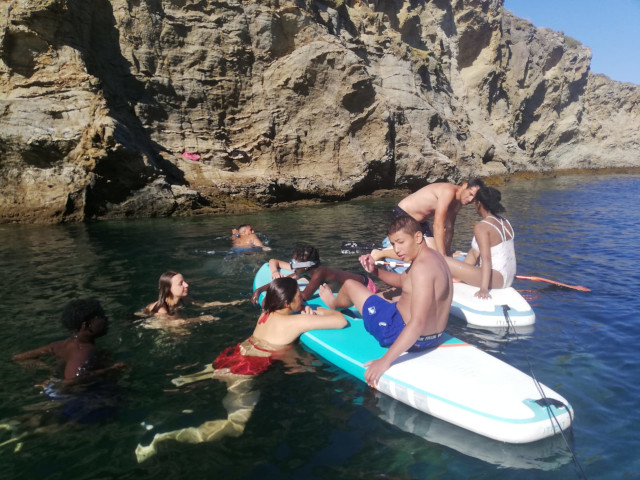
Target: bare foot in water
326, 294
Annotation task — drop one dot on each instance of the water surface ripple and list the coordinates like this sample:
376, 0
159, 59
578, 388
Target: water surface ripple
319, 423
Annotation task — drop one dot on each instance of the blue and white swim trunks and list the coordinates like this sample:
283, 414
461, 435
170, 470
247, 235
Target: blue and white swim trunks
383, 320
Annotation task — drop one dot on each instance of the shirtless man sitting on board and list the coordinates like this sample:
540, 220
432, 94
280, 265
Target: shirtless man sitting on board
440, 201
418, 319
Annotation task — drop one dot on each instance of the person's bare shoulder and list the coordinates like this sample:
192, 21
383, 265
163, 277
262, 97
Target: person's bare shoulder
427, 263
444, 191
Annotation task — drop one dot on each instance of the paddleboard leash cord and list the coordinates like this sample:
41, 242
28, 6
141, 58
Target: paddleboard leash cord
544, 401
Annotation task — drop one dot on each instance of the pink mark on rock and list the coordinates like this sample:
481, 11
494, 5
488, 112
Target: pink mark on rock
191, 156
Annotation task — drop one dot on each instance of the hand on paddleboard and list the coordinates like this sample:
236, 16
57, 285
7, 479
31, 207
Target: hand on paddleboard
482, 293
375, 370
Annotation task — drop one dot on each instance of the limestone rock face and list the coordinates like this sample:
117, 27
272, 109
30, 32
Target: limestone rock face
285, 100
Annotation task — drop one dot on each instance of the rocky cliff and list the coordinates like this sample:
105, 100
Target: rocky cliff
285, 100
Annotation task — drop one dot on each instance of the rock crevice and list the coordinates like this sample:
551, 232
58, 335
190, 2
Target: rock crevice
283, 100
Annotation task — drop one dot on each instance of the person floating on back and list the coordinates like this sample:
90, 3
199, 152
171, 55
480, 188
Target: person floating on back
244, 237
277, 328
491, 262
418, 319
305, 263
440, 201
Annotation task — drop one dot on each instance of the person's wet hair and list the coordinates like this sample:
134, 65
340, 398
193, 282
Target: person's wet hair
79, 312
306, 253
490, 198
280, 292
475, 182
405, 223
164, 289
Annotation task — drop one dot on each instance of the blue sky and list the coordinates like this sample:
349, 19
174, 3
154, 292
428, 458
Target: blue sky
611, 28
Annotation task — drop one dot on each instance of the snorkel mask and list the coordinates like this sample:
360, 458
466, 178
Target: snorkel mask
295, 264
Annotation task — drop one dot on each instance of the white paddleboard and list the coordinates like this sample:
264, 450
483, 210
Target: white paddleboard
506, 307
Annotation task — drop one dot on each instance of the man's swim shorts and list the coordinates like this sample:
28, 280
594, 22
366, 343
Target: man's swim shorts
383, 320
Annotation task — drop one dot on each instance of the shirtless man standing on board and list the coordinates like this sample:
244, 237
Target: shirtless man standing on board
440, 201
418, 319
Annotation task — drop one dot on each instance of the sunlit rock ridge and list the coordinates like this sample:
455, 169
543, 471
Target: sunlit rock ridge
285, 100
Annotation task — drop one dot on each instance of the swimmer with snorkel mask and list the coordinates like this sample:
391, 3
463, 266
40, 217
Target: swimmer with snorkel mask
305, 264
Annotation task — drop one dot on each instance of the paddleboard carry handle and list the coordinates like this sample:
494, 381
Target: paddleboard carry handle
393, 264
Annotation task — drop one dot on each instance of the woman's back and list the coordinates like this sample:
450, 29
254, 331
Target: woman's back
503, 256
283, 329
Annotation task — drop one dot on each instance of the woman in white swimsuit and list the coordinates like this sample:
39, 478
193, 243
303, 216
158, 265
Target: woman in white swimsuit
491, 262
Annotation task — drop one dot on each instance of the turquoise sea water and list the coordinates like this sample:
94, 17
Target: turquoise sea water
320, 423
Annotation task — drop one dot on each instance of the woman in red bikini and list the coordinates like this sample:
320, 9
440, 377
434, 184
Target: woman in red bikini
277, 328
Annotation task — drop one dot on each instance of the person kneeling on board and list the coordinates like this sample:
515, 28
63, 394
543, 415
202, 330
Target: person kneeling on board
418, 319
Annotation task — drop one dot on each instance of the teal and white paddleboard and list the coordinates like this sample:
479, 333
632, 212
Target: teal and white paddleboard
455, 382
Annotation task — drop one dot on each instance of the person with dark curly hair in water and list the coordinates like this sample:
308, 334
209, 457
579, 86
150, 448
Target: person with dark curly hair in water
491, 262
305, 263
80, 389
86, 320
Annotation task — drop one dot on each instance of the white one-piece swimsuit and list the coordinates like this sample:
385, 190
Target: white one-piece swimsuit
503, 255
